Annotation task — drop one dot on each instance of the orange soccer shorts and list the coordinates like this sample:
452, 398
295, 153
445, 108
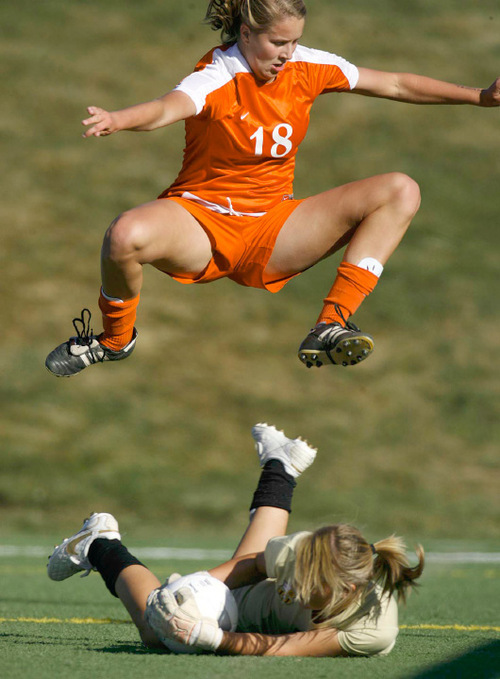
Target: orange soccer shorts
241, 246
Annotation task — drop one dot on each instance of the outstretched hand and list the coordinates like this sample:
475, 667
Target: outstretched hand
102, 122
176, 616
491, 95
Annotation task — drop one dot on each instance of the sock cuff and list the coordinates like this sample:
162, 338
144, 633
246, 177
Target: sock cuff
275, 487
364, 280
350, 288
109, 558
110, 305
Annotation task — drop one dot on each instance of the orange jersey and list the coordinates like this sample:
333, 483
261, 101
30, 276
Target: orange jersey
241, 145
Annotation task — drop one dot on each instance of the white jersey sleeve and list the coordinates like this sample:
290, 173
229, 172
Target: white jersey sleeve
280, 556
373, 628
216, 70
328, 59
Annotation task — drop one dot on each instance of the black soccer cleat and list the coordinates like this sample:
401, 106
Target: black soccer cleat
71, 357
333, 344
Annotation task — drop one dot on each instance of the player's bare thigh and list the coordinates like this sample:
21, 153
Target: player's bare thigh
324, 223
161, 233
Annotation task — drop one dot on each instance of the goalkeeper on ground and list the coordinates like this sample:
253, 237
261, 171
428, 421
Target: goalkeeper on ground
322, 593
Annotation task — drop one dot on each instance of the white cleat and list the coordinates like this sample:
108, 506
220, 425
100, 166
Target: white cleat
70, 556
296, 455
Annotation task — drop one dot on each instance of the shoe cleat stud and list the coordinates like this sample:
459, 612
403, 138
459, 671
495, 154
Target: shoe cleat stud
309, 364
303, 357
318, 364
314, 357
356, 341
338, 350
344, 363
349, 353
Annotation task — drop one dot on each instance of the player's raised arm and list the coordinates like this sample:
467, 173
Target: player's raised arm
417, 89
165, 110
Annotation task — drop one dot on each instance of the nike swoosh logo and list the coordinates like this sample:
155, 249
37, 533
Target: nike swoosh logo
70, 546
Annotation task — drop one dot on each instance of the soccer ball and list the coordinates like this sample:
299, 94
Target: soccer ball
213, 599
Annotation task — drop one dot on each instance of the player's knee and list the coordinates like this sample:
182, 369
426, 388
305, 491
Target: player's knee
124, 237
405, 193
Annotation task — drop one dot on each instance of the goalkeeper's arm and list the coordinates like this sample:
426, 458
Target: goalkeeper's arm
178, 617
314, 643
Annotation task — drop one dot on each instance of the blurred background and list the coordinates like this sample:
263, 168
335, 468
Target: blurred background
408, 441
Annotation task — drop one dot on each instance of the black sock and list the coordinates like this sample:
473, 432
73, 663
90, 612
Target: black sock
110, 557
275, 487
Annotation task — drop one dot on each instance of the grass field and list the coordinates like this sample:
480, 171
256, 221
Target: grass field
408, 441
417, 424
448, 629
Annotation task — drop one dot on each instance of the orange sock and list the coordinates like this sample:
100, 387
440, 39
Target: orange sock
350, 288
118, 318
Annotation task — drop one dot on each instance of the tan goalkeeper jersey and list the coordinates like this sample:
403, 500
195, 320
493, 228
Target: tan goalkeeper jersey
367, 627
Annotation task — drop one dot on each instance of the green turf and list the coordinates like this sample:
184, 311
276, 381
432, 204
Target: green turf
448, 629
408, 440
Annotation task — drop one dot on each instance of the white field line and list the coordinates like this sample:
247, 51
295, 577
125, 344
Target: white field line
189, 554
463, 557
174, 553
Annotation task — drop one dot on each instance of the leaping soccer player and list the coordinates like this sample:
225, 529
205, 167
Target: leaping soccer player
231, 211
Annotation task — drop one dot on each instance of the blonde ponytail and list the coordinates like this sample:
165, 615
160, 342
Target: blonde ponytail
392, 568
228, 15
225, 16
336, 561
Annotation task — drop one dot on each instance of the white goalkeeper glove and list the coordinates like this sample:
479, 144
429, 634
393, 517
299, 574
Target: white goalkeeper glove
176, 616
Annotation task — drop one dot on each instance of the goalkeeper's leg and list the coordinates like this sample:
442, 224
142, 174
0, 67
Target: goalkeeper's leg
133, 586
129, 580
265, 523
282, 460
97, 546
